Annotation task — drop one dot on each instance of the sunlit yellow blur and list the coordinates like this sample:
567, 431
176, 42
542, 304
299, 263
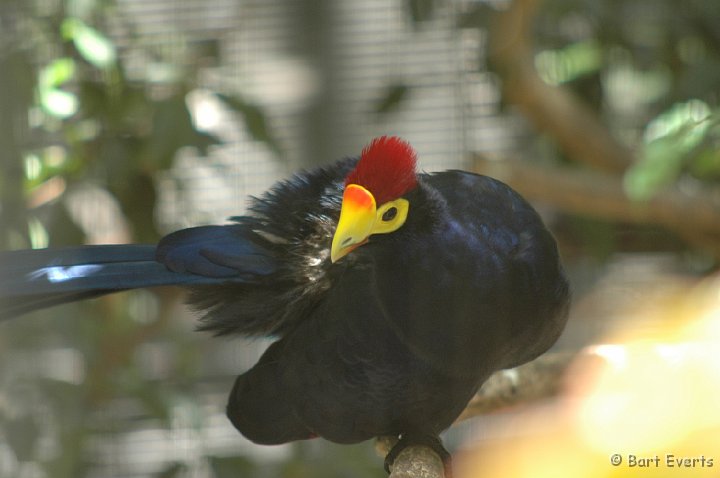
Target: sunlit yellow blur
650, 406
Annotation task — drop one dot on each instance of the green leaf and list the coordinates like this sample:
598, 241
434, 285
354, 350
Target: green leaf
672, 138
563, 65
659, 165
687, 118
58, 103
57, 72
92, 45
706, 165
254, 119
392, 99
173, 129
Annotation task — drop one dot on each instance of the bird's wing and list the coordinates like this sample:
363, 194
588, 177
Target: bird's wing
288, 231
254, 276
215, 252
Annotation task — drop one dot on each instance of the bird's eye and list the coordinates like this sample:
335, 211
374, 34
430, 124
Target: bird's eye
390, 214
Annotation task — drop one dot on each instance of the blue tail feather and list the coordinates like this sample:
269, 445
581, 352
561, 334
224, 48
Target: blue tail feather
39, 278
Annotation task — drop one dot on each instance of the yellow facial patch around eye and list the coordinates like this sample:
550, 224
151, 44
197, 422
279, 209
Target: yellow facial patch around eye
390, 216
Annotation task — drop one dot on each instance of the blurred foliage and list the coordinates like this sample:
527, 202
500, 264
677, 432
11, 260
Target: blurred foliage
71, 390
78, 110
640, 64
421, 11
254, 118
651, 73
684, 140
60, 375
75, 110
393, 98
649, 68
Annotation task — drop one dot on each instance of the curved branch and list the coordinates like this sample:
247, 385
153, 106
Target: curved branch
527, 383
693, 216
553, 110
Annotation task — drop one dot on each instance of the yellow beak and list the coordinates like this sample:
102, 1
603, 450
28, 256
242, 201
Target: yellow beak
357, 217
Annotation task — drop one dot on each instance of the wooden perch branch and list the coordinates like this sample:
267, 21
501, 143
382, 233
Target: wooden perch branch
413, 461
553, 110
527, 383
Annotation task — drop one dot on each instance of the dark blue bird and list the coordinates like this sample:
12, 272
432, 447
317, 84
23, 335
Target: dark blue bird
392, 294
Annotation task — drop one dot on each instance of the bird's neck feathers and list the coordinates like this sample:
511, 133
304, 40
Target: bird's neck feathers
428, 215
429, 210
386, 168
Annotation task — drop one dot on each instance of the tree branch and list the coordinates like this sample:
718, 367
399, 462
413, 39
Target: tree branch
694, 216
551, 109
413, 461
527, 383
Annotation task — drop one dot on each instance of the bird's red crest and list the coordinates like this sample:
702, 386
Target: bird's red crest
386, 168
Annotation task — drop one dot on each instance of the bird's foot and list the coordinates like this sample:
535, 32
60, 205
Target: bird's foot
432, 442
